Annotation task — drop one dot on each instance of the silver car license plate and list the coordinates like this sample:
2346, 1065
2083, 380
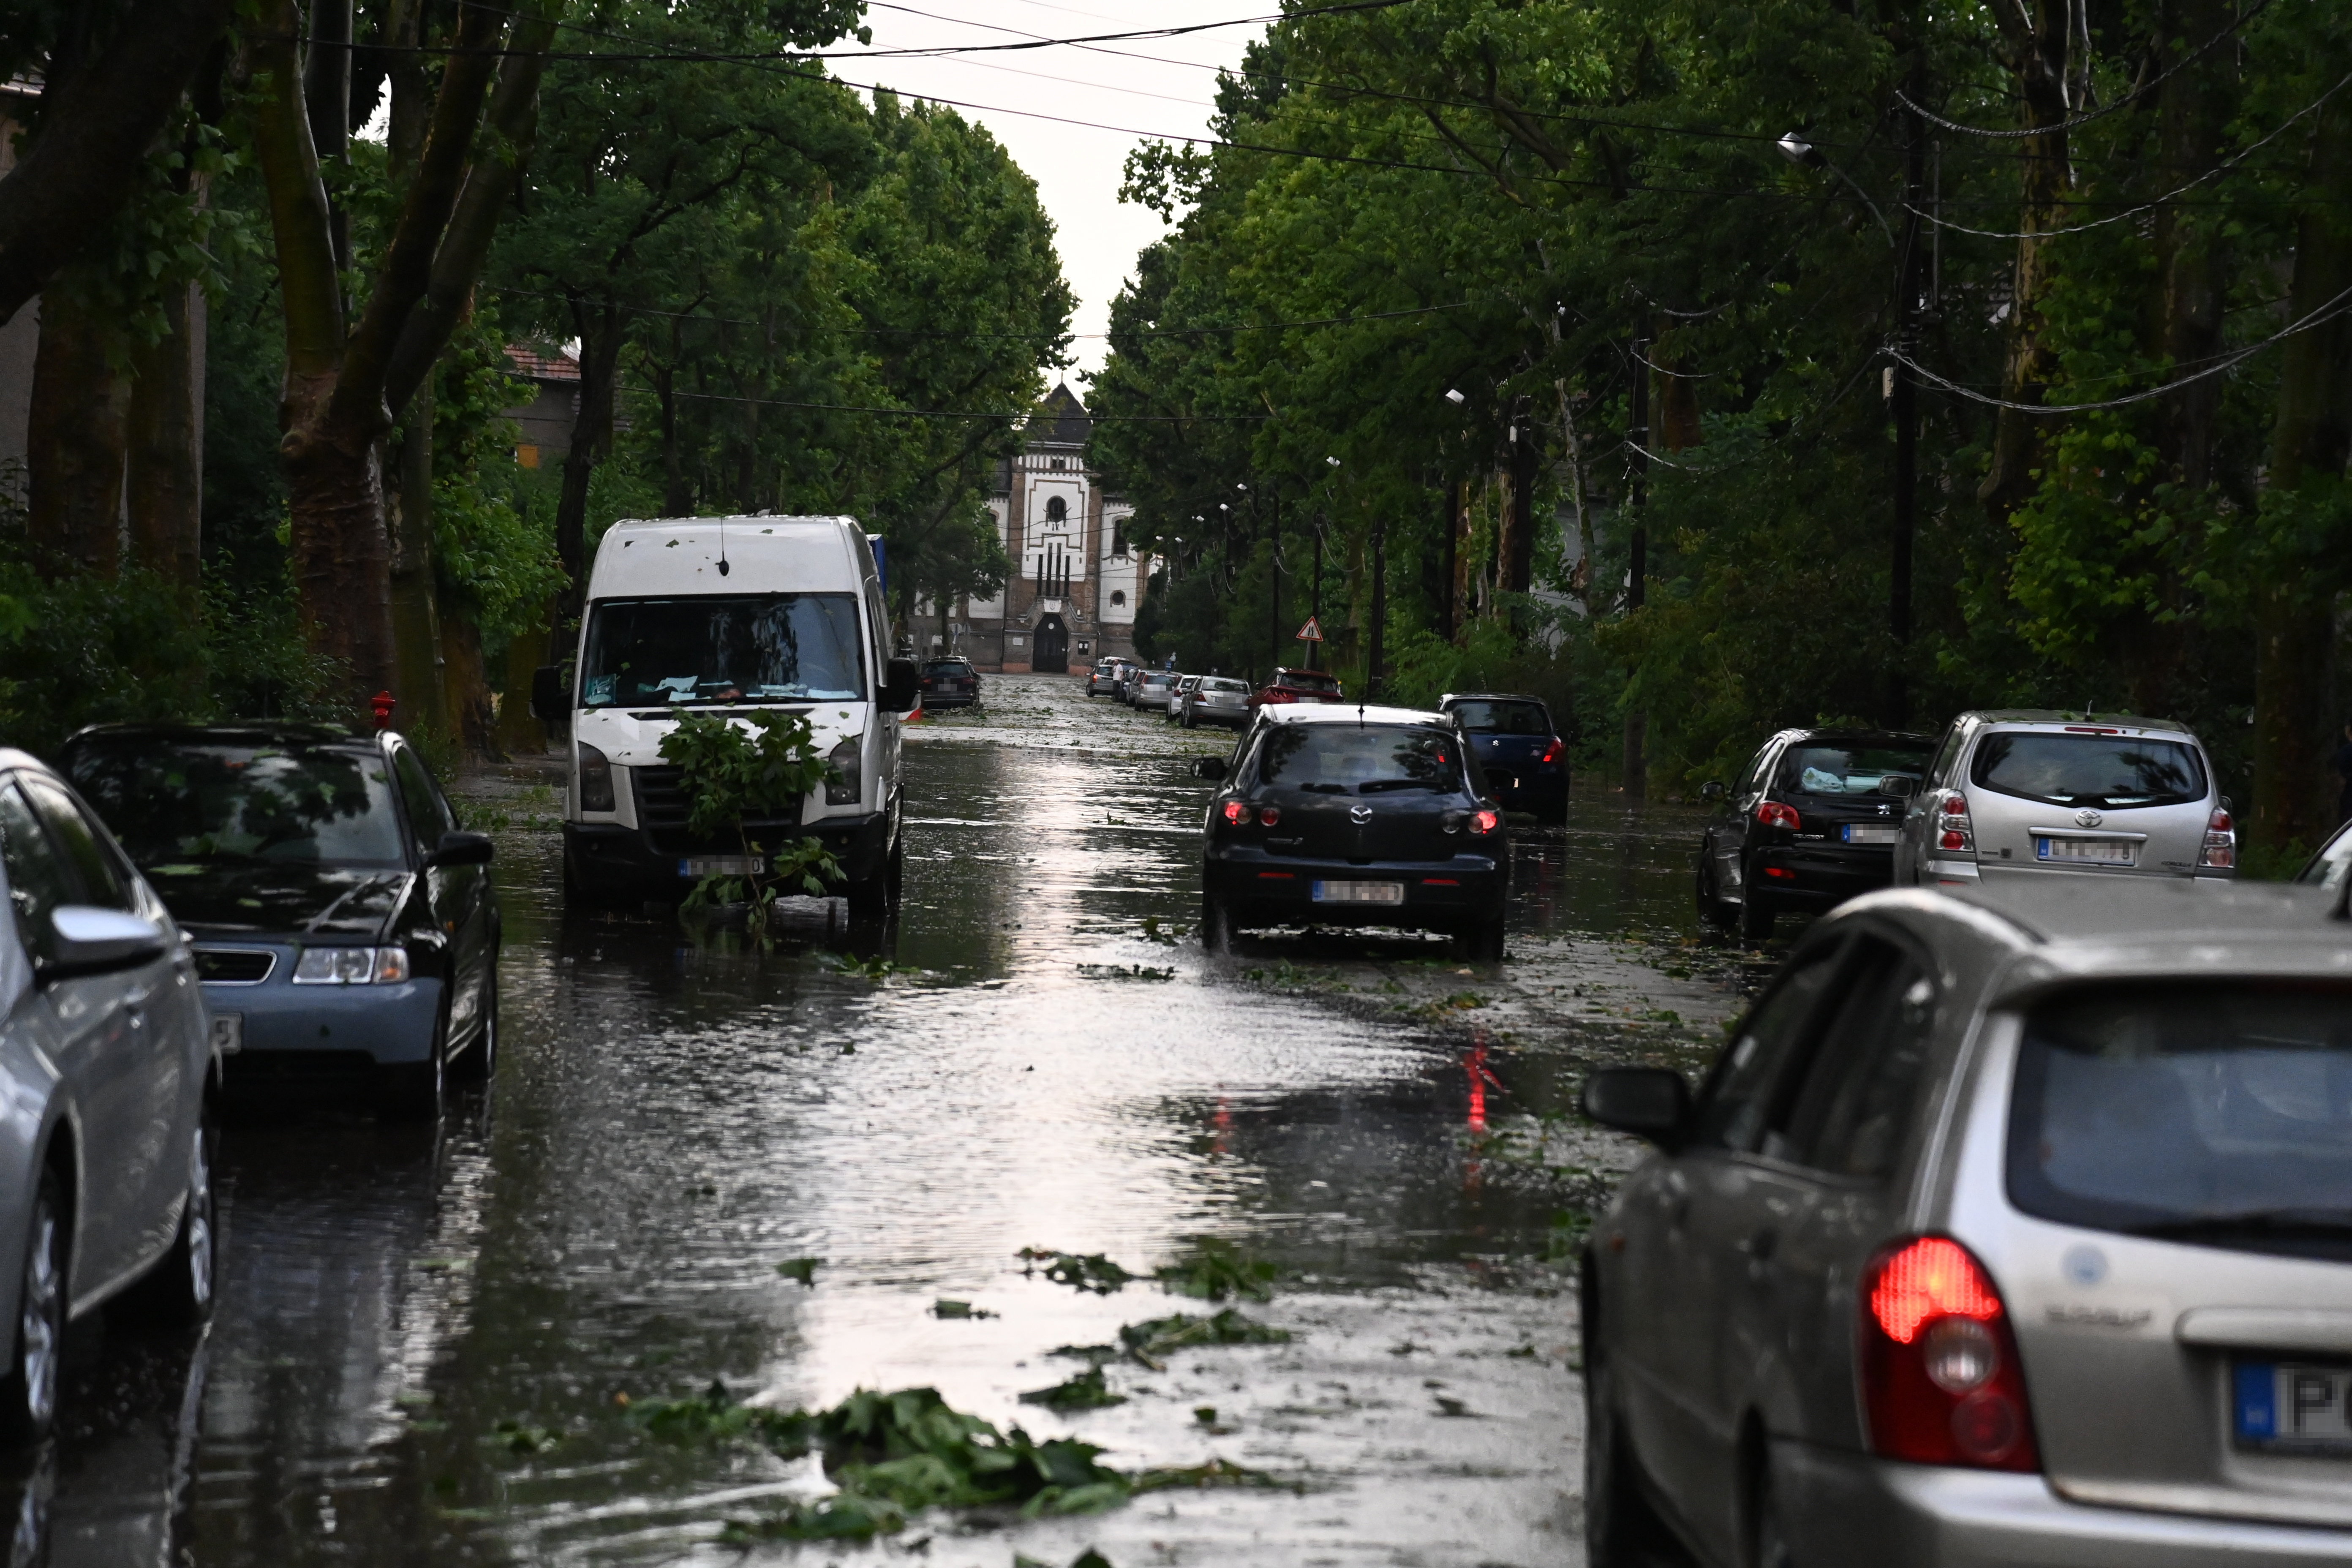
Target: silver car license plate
720, 866
2103, 851
1871, 833
2297, 1406
228, 1033
1360, 892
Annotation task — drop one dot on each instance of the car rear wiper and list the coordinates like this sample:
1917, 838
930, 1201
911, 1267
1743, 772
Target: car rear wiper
2299, 1224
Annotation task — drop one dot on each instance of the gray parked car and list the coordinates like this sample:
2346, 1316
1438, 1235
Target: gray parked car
2012, 792
2012, 1227
1177, 693
107, 1070
1216, 700
1150, 692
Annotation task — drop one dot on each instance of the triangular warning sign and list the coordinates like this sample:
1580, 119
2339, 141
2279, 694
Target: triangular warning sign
1310, 632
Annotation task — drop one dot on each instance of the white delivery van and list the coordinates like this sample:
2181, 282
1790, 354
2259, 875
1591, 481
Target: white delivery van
731, 614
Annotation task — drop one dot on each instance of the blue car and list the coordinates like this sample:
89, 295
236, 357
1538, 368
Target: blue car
1517, 748
344, 927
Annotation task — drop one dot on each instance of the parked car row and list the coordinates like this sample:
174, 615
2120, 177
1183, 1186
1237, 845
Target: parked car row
195, 907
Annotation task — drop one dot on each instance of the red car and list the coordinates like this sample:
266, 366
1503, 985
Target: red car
1297, 685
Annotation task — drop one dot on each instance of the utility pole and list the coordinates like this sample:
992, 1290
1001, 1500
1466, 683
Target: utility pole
1380, 605
1274, 592
1904, 393
1636, 767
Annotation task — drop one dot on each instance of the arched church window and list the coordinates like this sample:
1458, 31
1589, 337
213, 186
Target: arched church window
1056, 510
1117, 597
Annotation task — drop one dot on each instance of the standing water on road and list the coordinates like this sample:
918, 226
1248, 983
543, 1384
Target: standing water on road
801, 1172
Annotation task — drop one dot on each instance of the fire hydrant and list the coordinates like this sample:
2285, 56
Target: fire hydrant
383, 702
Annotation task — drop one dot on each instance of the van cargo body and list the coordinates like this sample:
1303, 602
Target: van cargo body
736, 615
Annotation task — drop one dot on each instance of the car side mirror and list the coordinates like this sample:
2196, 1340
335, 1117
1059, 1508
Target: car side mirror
902, 685
1211, 768
1713, 790
88, 940
547, 693
1899, 785
1649, 1102
461, 849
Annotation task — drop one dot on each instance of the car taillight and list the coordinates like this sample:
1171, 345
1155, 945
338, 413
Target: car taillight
1941, 1380
1551, 753
1484, 821
1772, 813
1236, 812
1952, 829
1277, 694
1267, 815
2220, 841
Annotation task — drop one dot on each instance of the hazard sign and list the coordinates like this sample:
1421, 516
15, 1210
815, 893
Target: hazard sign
1310, 632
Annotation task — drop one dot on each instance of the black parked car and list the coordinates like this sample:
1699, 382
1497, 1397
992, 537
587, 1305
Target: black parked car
342, 923
1811, 823
1338, 815
1518, 746
951, 683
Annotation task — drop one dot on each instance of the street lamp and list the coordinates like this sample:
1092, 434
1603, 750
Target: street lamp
1454, 397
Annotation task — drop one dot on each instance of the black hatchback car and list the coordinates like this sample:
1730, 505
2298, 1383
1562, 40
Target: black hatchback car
344, 924
1332, 815
951, 683
1812, 822
1518, 746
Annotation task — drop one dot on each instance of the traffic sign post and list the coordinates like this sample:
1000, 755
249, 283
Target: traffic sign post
1310, 632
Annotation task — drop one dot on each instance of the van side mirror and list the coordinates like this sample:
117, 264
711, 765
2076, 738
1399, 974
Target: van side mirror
461, 849
902, 684
1902, 787
1211, 768
547, 693
88, 940
1649, 1102
1713, 790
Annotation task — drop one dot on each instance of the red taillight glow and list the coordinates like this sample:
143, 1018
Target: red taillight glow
1772, 813
1236, 812
1551, 753
1941, 1380
2221, 852
1269, 815
1484, 821
1781, 871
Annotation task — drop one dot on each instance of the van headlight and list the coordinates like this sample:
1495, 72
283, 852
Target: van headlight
595, 780
845, 784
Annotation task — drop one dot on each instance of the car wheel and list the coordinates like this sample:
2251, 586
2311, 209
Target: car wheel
180, 1292
1216, 925
1767, 1543
1482, 942
1621, 1531
414, 1089
1755, 917
873, 899
478, 1064
1712, 909
28, 1401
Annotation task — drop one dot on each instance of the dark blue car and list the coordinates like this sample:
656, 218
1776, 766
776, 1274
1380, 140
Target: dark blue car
344, 924
1517, 747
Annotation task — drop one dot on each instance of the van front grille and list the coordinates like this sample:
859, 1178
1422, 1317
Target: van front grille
661, 796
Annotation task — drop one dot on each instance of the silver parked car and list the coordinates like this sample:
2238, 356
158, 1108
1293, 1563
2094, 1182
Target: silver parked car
107, 1070
2014, 1228
1216, 700
1179, 692
1104, 677
1150, 692
2012, 792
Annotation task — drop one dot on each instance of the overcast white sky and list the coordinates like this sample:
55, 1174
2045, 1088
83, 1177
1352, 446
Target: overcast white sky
1154, 85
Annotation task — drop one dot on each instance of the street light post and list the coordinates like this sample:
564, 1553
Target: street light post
1635, 766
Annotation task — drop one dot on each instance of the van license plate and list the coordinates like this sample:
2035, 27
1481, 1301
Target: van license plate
228, 1033
720, 866
2298, 1406
1871, 833
2105, 851
1360, 892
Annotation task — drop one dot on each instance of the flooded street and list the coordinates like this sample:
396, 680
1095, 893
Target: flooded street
436, 1347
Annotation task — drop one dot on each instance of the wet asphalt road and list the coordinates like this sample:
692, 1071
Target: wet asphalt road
425, 1337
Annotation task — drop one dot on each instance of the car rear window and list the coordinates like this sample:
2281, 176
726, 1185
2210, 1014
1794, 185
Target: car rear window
1307, 680
947, 667
1810, 768
1359, 759
2111, 772
176, 807
2210, 1113
1483, 718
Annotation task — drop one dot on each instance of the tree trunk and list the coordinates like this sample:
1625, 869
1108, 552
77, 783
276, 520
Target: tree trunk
519, 733
1517, 556
165, 464
76, 440
592, 437
466, 691
415, 601
2035, 54
2310, 443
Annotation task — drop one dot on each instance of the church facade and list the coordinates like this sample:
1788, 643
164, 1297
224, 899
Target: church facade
1076, 581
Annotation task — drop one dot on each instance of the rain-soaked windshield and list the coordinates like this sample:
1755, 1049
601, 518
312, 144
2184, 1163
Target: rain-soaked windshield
1336, 759
1850, 770
751, 647
2210, 1113
185, 804
2107, 770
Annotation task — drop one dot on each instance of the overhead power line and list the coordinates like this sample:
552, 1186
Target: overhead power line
1016, 416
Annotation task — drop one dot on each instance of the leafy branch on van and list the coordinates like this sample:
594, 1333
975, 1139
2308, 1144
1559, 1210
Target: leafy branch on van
733, 768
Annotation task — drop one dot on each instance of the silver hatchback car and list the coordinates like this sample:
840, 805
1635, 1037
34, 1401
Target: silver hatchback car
1216, 700
2032, 792
2012, 1227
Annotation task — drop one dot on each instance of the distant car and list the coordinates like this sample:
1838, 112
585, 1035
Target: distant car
1150, 692
2032, 793
951, 683
345, 926
108, 1073
1296, 686
1811, 823
1177, 693
2013, 1226
2332, 864
1103, 679
1518, 744
1129, 676
1216, 700
1341, 816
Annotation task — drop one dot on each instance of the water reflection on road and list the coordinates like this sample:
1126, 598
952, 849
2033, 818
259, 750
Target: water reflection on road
425, 1338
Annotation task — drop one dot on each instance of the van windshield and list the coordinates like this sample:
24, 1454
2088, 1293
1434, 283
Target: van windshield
2111, 772
2218, 1113
751, 647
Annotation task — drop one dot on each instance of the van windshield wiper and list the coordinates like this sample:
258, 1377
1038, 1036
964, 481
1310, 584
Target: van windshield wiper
2297, 1222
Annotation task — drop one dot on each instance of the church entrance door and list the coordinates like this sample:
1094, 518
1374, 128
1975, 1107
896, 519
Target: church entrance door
1053, 655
